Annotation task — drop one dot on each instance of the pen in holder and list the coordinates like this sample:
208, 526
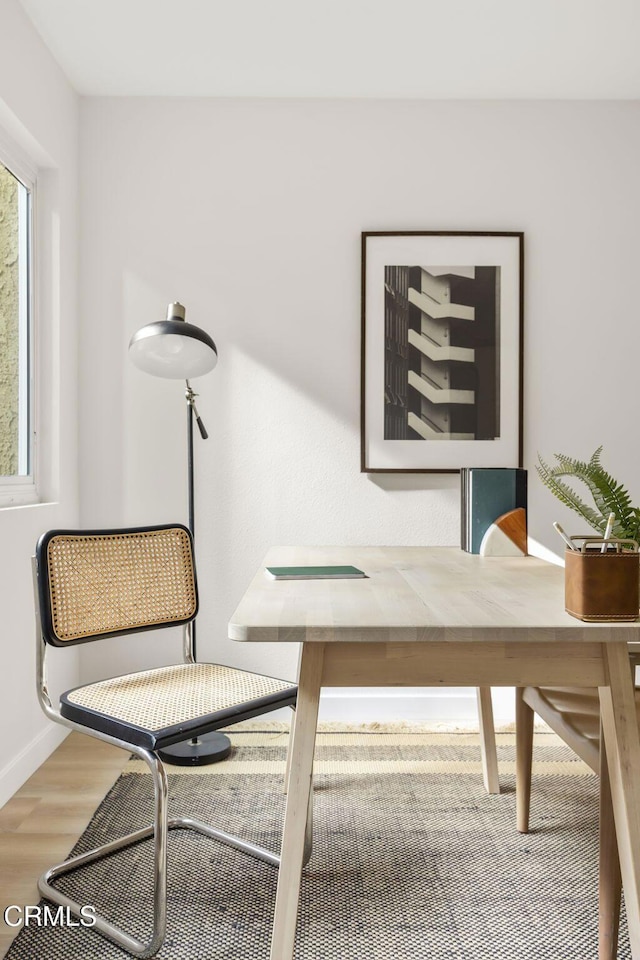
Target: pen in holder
602, 586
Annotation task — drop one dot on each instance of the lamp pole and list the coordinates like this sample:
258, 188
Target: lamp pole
153, 349
192, 412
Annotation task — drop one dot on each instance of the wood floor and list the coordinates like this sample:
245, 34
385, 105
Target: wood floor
43, 820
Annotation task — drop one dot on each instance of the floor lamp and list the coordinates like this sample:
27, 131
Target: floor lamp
178, 350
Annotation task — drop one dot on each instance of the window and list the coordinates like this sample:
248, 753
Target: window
17, 473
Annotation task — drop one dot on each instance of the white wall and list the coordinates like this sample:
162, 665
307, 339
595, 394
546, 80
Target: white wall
39, 111
250, 213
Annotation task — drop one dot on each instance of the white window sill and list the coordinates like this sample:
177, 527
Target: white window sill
17, 494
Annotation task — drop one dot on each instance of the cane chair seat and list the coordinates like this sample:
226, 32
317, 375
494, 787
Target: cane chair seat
156, 708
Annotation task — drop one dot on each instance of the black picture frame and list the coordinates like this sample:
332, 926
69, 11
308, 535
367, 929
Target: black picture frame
441, 350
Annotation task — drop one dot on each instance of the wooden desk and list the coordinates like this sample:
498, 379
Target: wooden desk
430, 616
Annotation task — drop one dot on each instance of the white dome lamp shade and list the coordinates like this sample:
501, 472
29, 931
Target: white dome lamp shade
173, 348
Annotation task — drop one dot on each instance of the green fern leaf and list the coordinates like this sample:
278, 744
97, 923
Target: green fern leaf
568, 496
609, 496
612, 494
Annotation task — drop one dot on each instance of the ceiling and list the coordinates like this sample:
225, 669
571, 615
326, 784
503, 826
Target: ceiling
585, 49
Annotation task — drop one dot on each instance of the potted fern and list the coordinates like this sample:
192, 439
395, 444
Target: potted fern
608, 495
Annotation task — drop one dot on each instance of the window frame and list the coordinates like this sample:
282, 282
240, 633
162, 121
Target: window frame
22, 489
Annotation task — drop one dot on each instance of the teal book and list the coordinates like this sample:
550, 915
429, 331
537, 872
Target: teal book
314, 573
487, 493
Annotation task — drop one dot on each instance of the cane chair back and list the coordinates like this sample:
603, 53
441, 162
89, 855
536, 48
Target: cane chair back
99, 583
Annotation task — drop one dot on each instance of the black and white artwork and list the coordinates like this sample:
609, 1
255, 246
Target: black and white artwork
441, 351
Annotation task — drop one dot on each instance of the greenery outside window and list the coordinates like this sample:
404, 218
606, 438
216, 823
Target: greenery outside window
17, 454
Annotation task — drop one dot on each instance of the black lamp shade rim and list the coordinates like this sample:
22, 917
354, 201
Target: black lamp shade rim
176, 328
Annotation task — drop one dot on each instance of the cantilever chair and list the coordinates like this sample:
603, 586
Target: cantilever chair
574, 714
104, 583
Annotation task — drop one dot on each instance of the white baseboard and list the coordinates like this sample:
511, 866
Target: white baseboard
386, 705
390, 704
18, 770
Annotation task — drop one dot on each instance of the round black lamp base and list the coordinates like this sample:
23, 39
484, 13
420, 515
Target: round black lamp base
209, 748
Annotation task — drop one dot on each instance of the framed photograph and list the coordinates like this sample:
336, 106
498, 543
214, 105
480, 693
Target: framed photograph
441, 366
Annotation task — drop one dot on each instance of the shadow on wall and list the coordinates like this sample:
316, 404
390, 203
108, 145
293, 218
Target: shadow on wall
415, 481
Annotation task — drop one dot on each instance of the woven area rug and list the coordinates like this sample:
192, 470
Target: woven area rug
412, 859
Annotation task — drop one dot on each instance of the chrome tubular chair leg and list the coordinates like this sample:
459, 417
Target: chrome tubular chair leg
159, 830
136, 947
245, 846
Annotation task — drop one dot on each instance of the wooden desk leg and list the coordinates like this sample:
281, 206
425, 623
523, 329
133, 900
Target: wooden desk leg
300, 784
620, 729
487, 740
610, 881
287, 769
524, 757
